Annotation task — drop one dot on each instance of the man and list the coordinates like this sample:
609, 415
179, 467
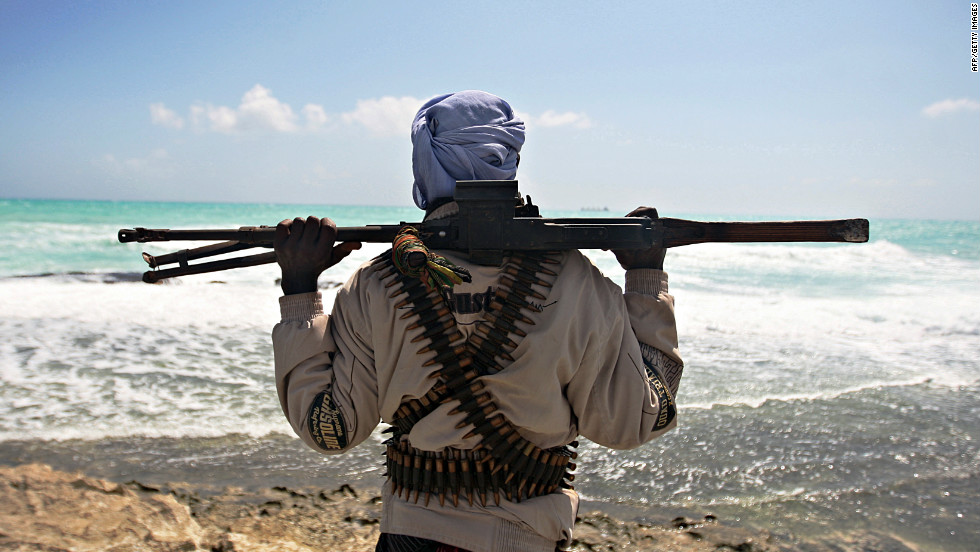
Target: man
486, 378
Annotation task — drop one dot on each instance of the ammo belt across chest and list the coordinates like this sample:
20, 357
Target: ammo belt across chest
503, 462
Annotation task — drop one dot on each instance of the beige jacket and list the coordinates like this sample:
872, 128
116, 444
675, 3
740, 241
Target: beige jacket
595, 364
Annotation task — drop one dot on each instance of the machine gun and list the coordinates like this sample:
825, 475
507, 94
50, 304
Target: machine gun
493, 218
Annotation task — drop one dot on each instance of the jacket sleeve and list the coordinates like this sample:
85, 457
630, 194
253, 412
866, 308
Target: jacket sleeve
325, 374
623, 395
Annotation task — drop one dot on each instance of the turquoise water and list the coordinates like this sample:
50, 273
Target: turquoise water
832, 388
67, 236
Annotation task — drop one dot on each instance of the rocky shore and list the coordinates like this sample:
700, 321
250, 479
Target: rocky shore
42, 509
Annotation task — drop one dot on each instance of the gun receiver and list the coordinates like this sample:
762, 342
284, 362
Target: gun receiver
492, 220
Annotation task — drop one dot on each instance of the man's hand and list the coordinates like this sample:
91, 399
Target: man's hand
642, 258
304, 249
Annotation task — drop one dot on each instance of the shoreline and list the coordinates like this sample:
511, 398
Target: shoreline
44, 508
86, 513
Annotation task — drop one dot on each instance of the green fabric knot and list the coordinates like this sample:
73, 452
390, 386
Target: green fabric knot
412, 258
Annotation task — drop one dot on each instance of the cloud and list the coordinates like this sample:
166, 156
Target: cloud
315, 115
217, 119
162, 116
946, 107
554, 119
385, 116
260, 111
259, 108
551, 118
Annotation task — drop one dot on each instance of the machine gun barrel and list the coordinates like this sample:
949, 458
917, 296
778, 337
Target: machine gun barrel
573, 233
526, 234
580, 233
678, 232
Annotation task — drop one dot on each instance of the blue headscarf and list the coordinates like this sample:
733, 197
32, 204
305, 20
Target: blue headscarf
470, 135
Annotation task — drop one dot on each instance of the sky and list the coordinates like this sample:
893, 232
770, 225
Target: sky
803, 109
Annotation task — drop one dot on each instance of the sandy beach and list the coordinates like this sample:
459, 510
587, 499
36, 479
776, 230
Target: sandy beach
45, 509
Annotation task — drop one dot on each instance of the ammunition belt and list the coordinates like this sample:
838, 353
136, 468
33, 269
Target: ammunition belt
453, 473
515, 466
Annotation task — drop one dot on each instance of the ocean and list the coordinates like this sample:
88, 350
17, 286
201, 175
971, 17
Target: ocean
830, 390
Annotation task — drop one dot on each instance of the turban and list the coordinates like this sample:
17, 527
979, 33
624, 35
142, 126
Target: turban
469, 135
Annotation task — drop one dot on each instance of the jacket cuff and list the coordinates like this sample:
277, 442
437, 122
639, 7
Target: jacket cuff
648, 281
301, 307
